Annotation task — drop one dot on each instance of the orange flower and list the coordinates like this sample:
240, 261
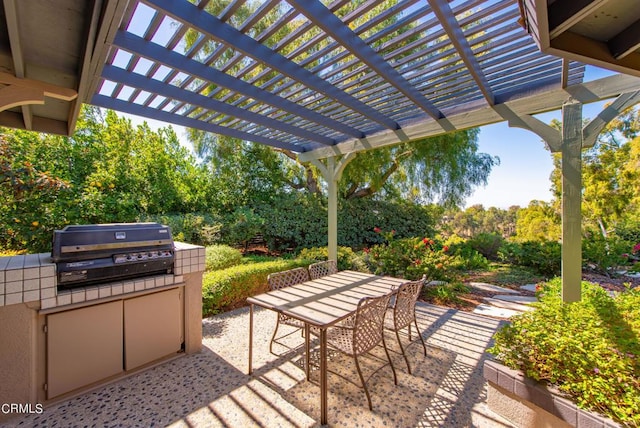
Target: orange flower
439, 266
35, 224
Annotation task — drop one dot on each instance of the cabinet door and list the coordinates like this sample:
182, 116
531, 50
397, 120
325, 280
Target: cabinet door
83, 346
152, 327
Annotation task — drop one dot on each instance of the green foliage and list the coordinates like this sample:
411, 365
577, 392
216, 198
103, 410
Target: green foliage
221, 257
29, 211
296, 221
443, 169
538, 222
413, 258
629, 229
543, 257
487, 244
357, 219
604, 255
476, 219
108, 171
229, 288
445, 294
461, 248
194, 228
293, 222
589, 349
242, 225
347, 258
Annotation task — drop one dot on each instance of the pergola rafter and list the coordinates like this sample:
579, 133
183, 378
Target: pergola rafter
225, 33
334, 27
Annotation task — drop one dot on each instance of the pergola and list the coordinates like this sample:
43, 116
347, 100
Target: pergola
330, 79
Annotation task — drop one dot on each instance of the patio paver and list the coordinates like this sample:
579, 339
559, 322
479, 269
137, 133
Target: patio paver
212, 388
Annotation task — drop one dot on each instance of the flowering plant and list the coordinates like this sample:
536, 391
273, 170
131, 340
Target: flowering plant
411, 258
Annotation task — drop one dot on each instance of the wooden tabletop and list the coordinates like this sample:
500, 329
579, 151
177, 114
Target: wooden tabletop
324, 301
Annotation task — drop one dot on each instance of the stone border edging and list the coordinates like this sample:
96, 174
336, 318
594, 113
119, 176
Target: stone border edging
516, 383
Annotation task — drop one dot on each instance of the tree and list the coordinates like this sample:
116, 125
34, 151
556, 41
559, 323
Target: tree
538, 222
108, 171
476, 219
610, 176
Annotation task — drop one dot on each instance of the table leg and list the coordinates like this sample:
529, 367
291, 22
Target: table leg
250, 338
307, 359
323, 376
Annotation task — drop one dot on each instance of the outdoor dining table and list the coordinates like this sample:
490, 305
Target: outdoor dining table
321, 303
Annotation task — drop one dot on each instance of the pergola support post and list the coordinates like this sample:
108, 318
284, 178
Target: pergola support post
331, 171
332, 211
569, 143
571, 151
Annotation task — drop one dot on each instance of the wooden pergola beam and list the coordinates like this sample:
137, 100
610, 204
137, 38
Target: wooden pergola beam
543, 101
47, 89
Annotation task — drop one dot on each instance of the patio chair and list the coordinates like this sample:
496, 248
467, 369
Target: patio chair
361, 332
281, 280
320, 269
402, 313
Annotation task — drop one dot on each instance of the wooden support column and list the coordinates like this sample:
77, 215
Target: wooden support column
570, 143
571, 150
332, 210
331, 171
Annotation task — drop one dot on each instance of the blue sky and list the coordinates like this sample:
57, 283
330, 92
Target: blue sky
525, 163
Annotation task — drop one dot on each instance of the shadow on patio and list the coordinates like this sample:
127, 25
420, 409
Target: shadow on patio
211, 388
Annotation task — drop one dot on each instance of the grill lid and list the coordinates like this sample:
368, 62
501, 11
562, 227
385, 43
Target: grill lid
85, 242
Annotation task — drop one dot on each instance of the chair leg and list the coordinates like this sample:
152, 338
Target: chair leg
420, 336
364, 384
393, 369
273, 338
406, 359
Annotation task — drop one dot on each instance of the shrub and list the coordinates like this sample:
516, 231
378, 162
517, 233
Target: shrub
228, 288
347, 258
293, 222
604, 255
221, 257
194, 228
544, 257
240, 226
487, 244
468, 257
589, 349
412, 258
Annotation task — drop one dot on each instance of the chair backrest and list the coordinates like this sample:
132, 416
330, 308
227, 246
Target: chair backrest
320, 269
369, 324
405, 303
287, 278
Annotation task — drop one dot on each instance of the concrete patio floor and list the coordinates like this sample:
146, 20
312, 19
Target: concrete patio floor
212, 389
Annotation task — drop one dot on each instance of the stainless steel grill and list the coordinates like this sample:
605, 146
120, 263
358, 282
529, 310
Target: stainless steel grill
99, 253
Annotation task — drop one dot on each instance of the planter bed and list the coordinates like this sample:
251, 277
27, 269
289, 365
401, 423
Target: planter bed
528, 403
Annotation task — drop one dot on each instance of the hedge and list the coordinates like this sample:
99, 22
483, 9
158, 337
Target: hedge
228, 289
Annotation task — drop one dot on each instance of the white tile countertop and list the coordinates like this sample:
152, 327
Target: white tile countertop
32, 278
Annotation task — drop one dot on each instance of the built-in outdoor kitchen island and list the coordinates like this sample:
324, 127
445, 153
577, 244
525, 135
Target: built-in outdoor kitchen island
57, 342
